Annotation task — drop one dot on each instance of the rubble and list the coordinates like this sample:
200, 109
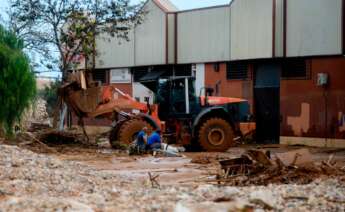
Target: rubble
258, 168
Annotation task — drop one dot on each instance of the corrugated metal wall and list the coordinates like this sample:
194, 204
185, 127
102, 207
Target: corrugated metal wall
251, 29
150, 37
203, 35
245, 29
115, 52
313, 27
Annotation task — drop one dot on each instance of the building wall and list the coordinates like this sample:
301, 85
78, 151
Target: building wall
229, 88
247, 30
251, 29
242, 30
203, 35
314, 27
304, 104
150, 37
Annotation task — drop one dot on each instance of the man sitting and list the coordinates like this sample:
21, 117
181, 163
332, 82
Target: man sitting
142, 138
154, 141
139, 145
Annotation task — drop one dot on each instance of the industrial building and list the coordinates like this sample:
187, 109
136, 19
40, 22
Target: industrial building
285, 56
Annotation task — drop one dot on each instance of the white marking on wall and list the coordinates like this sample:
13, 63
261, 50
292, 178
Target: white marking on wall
200, 78
300, 124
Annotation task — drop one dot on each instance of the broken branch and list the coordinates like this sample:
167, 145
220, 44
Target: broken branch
153, 180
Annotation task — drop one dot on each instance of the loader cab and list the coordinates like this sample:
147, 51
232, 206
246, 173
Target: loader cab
176, 97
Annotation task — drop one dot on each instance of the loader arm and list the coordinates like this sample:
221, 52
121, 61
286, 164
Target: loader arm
103, 101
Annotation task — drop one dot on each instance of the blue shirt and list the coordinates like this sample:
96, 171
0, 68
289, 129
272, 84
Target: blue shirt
154, 138
140, 138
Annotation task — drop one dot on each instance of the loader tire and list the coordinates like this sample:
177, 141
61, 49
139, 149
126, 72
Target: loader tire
216, 135
130, 129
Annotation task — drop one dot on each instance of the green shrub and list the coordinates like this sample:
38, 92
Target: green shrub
17, 81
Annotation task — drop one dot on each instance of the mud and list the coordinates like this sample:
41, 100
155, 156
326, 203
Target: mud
194, 168
97, 178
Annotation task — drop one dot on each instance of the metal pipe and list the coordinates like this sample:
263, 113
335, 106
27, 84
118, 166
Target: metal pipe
187, 95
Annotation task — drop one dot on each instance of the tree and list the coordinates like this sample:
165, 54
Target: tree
17, 81
69, 27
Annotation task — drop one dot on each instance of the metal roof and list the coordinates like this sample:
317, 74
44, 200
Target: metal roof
166, 5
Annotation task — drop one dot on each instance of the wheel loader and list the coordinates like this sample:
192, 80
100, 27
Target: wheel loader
204, 122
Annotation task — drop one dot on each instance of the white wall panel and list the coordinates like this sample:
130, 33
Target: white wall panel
251, 29
200, 79
313, 27
203, 35
171, 38
113, 52
150, 37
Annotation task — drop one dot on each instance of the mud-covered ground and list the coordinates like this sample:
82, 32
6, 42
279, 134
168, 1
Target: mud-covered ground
80, 178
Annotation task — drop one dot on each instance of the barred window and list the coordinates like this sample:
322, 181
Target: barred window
183, 70
100, 75
237, 70
138, 73
295, 69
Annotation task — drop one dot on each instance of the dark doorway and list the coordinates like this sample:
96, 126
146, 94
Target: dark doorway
267, 102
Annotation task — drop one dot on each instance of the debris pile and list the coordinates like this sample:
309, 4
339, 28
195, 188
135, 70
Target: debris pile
34, 127
44, 140
36, 115
203, 159
55, 137
258, 167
